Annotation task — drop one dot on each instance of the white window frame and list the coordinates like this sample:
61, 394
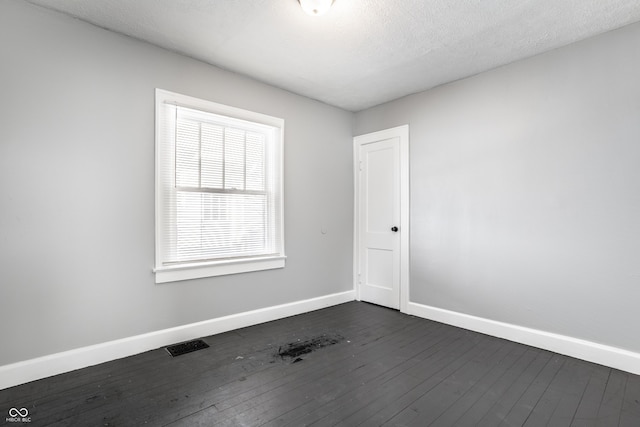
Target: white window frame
191, 270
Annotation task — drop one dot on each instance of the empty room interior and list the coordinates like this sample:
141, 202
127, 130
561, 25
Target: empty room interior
261, 212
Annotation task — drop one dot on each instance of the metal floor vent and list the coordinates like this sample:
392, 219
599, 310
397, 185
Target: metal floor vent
186, 347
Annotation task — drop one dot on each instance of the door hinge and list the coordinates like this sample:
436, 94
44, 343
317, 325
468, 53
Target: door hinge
360, 165
359, 278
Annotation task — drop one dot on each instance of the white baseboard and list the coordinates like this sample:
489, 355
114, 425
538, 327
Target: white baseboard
58, 363
581, 349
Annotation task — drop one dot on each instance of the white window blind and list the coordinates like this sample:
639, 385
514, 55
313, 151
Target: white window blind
219, 188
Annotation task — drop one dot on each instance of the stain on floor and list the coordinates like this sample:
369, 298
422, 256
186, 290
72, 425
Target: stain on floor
298, 348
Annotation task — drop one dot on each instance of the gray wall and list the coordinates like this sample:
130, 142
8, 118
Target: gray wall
525, 191
77, 192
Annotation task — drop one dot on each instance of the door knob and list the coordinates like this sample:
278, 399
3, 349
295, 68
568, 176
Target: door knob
394, 229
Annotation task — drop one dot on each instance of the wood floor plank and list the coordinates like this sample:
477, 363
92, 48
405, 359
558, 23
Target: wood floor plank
611, 404
378, 407
578, 374
486, 383
119, 383
147, 379
524, 406
427, 376
258, 355
550, 399
498, 390
436, 401
501, 409
303, 375
94, 394
357, 394
344, 397
587, 413
386, 368
630, 411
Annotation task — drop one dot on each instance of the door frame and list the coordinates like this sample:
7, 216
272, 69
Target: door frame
401, 132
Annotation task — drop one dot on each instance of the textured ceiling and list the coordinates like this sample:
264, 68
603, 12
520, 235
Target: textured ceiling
362, 52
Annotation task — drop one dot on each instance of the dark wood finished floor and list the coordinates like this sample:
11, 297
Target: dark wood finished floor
386, 368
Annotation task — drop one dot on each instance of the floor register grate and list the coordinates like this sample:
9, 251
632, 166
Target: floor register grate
186, 347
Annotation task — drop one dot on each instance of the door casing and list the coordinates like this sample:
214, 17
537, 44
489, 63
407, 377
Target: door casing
401, 132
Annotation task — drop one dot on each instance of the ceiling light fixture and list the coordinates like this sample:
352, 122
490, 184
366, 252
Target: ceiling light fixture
315, 7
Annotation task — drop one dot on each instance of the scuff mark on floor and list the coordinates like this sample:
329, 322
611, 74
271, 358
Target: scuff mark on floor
298, 348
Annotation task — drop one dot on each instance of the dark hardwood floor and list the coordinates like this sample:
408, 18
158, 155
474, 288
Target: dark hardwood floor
348, 365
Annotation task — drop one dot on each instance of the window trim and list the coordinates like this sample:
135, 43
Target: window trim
198, 269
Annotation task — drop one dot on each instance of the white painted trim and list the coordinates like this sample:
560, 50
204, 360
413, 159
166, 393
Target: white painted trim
165, 167
356, 215
198, 270
58, 363
581, 349
401, 132
405, 197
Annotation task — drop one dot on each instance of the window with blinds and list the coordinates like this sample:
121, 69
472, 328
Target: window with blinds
218, 189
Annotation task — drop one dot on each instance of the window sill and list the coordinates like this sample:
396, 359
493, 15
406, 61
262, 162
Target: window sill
218, 268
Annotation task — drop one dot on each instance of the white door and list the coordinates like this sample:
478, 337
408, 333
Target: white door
379, 220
